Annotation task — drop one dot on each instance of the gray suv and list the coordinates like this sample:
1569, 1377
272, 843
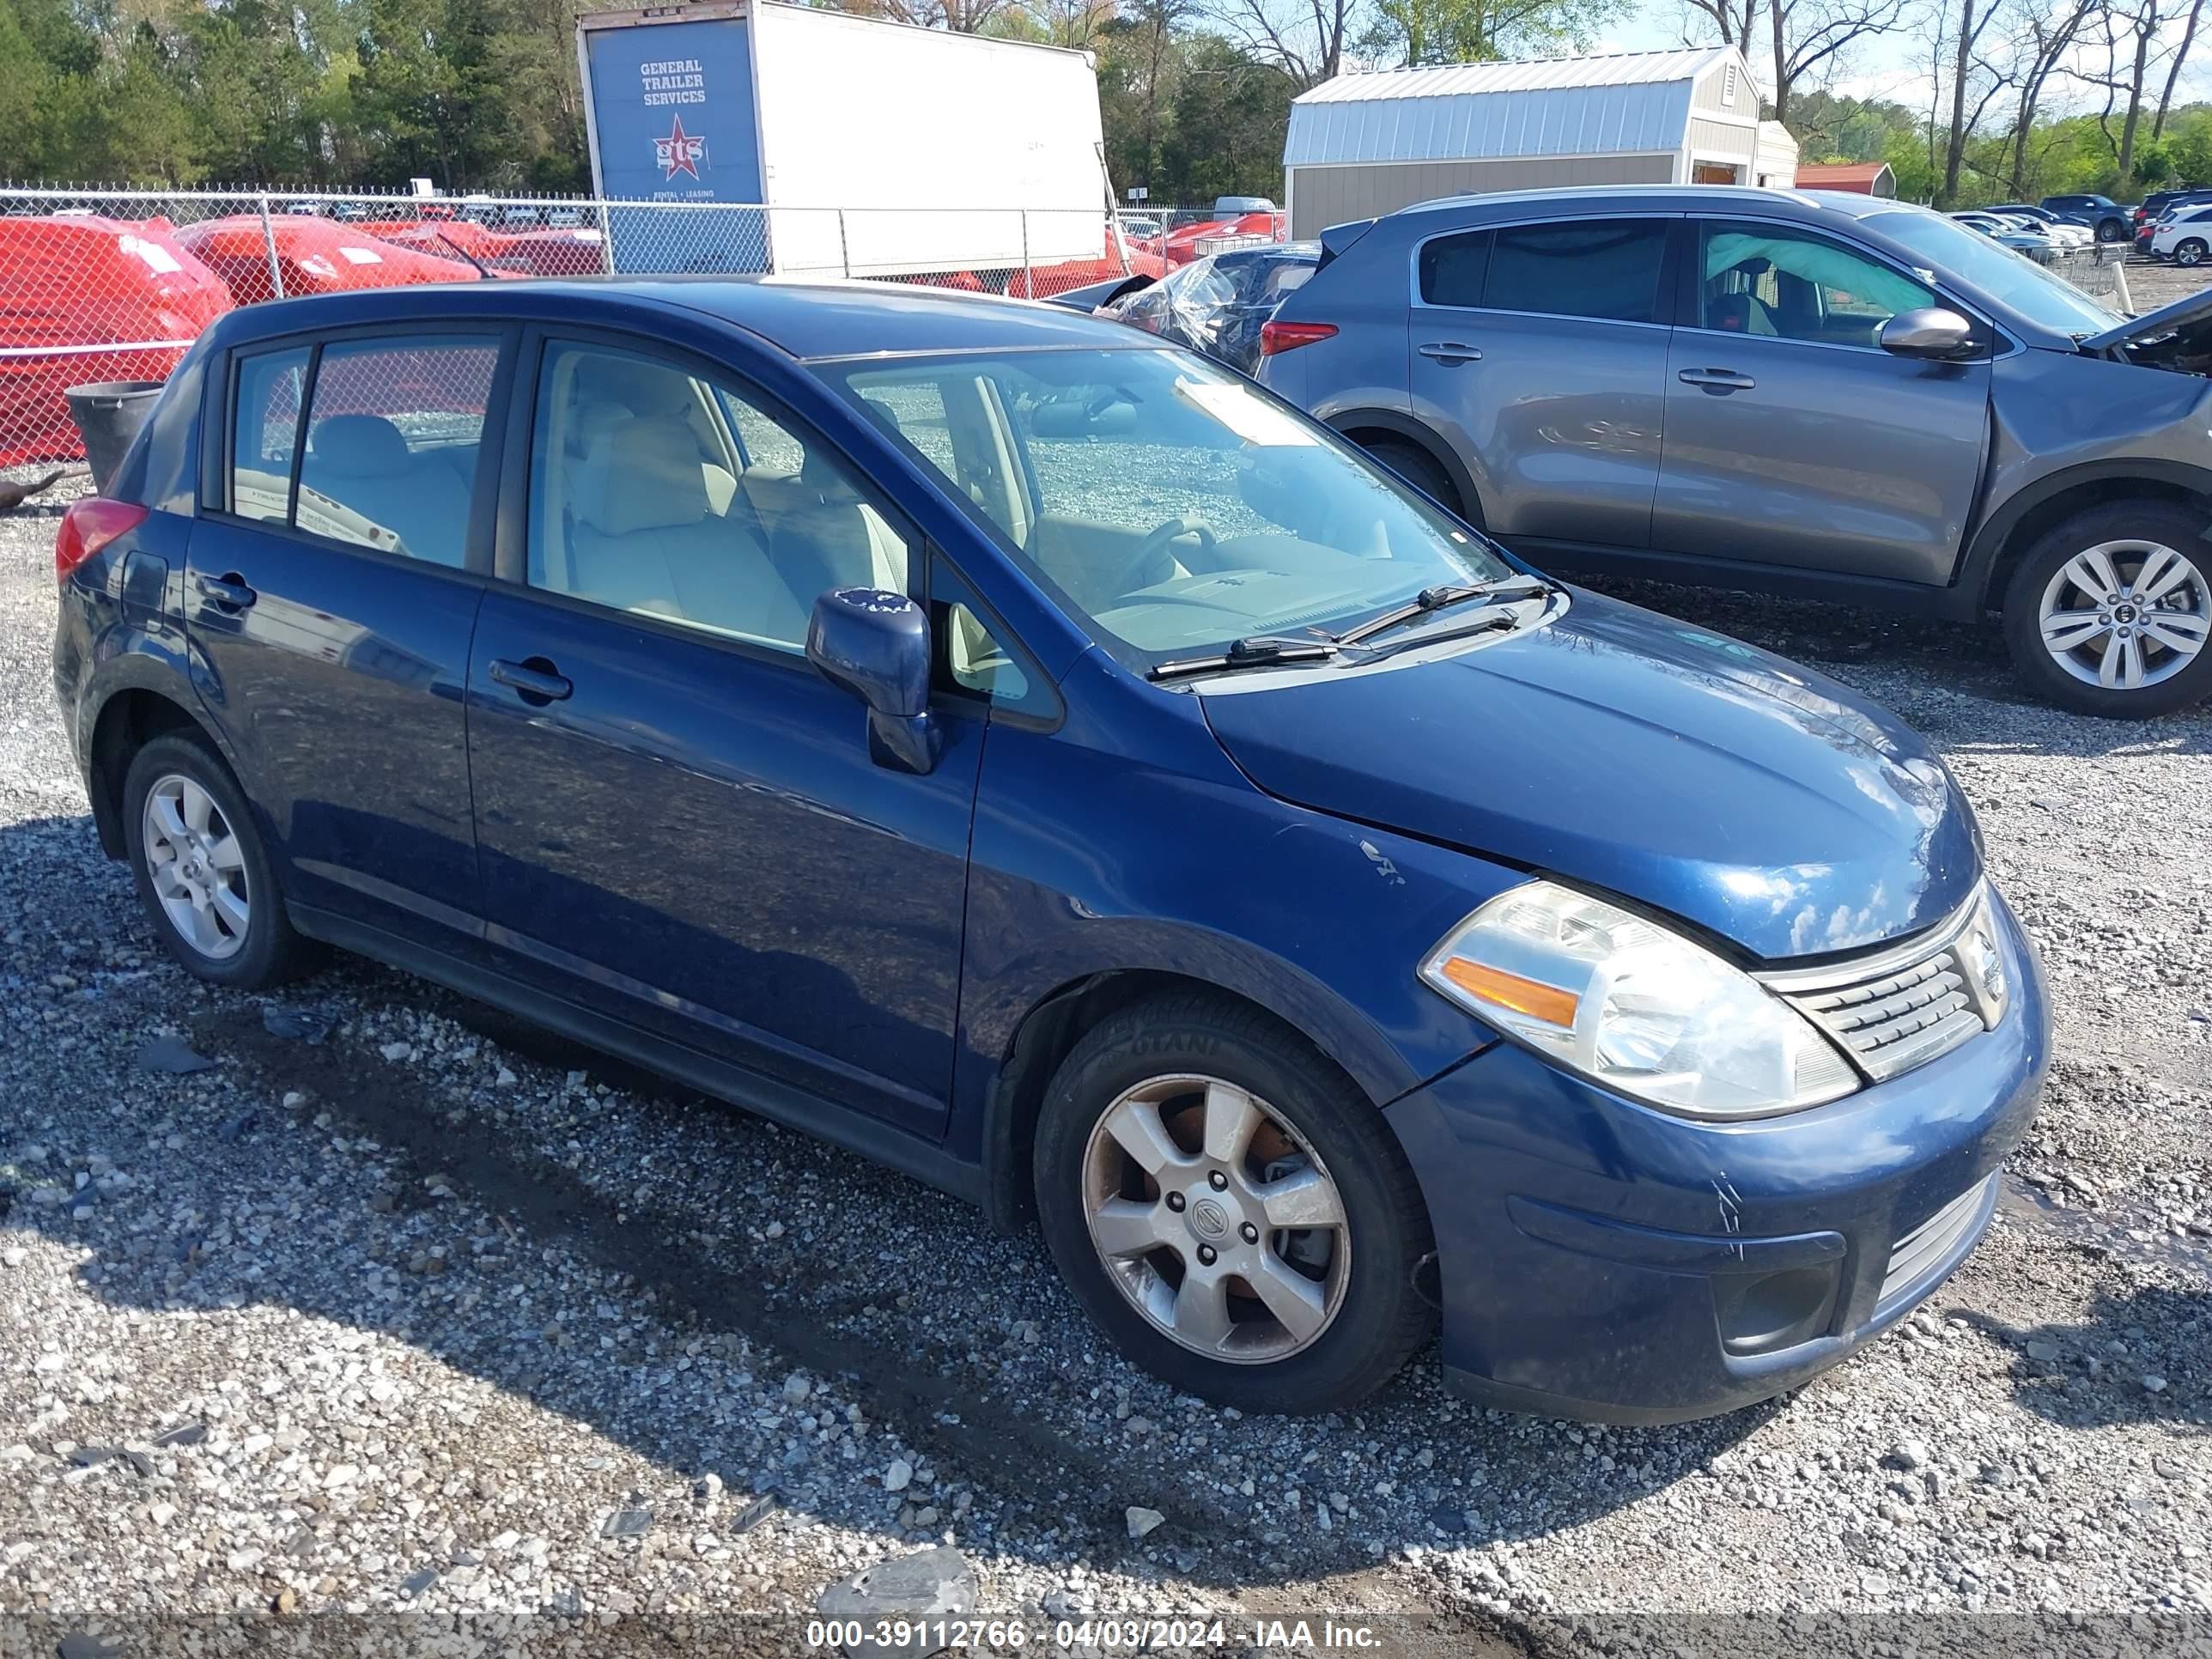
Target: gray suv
1804, 392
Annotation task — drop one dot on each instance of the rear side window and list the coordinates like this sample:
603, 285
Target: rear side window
264, 427
394, 431
1606, 269
1453, 269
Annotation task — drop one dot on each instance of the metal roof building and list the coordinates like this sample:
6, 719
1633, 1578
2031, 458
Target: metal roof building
1365, 144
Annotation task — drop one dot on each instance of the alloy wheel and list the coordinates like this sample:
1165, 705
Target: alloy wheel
2125, 614
1216, 1219
198, 866
2188, 253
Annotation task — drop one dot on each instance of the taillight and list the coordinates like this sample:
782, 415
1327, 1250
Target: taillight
90, 523
1276, 335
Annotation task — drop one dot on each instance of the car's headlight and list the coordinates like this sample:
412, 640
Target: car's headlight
1634, 1005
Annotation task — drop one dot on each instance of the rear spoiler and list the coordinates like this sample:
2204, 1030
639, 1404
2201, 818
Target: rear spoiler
1337, 238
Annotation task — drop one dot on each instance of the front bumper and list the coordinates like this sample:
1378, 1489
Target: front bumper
1601, 1260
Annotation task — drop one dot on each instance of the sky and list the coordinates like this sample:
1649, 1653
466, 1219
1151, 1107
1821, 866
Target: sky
1894, 65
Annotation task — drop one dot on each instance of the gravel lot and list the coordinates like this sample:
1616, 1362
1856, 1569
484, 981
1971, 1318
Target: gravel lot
397, 1306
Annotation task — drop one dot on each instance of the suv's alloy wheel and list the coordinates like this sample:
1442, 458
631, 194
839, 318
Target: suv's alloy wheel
2190, 252
2110, 613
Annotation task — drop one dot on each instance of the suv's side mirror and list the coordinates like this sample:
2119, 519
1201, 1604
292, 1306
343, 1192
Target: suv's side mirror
875, 645
1928, 331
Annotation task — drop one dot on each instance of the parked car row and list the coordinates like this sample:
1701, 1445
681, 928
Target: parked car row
1020, 697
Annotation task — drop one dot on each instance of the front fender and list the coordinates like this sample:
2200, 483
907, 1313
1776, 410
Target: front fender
1156, 855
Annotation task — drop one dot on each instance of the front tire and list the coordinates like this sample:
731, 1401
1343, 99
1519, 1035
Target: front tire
203, 872
2109, 613
1230, 1209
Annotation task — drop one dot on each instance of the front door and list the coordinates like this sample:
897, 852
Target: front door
330, 594
678, 818
1539, 353
1792, 437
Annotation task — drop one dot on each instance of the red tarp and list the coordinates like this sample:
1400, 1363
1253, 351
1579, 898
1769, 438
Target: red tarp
85, 298
315, 255
568, 251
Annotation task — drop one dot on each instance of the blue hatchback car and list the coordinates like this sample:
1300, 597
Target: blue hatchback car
1040, 760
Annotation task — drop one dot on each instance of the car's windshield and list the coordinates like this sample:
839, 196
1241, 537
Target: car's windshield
1171, 506
2034, 291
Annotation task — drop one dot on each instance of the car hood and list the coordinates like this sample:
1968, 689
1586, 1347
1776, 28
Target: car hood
2193, 308
1627, 751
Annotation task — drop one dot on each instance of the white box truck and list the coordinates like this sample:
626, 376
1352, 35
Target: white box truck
873, 147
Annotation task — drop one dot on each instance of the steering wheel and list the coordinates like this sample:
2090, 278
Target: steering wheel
1155, 545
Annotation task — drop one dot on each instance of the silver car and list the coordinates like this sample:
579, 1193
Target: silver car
1806, 392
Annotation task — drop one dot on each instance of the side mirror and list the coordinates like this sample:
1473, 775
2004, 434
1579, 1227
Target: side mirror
1929, 332
876, 644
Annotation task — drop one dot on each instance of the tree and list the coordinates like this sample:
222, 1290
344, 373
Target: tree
1305, 39
1470, 30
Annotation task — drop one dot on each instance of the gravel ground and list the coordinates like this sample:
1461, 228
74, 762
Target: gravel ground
397, 1308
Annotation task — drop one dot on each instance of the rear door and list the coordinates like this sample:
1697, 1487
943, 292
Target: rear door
332, 589
1792, 437
1539, 352
679, 820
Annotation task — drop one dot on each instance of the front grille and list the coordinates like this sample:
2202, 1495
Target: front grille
1902, 1019
1898, 1008
1933, 1239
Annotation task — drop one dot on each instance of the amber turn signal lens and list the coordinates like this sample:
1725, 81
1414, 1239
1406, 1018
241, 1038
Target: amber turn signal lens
1523, 996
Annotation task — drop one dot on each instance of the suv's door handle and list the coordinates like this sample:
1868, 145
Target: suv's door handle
1450, 352
228, 592
1720, 379
534, 680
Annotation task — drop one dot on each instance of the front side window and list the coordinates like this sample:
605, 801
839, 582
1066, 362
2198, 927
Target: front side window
394, 431
665, 493
264, 427
1168, 505
1770, 280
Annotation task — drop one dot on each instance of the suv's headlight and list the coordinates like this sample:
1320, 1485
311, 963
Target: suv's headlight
1634, 1005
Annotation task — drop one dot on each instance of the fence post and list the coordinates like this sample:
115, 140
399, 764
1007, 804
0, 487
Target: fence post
268, 242
844, 251
1029, 280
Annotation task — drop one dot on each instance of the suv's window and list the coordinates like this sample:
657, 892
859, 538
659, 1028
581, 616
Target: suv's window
1607, 268
971, 657
1770, 280
1453, 267
668, 494
393, 432
264, 426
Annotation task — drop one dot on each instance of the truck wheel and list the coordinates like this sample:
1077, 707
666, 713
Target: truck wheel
1239, 1219
203, 873
1416, 466
2109, 613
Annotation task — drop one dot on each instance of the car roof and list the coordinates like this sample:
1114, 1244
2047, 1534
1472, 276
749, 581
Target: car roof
1810, 204
812, 319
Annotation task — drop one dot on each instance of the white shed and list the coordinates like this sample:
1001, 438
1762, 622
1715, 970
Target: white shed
1365, 144
1775, 166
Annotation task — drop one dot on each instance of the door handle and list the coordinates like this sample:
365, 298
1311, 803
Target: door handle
533, 679
1718, 380
1450, 352
228, 592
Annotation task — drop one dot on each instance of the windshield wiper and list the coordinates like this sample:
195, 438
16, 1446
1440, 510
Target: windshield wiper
1260, 651
1429, 600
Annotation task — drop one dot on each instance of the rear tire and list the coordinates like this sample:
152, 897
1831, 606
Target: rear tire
1419, 468
1197, 1272
2189, 254
2108, 612
203, 872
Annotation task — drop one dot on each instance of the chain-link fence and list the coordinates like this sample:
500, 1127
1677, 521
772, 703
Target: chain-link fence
100, 286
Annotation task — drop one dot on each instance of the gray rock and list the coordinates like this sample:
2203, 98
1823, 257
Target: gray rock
1142, 1522
1910, 1455
170, 1056
937, 1583
897, 1478
627, 1523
